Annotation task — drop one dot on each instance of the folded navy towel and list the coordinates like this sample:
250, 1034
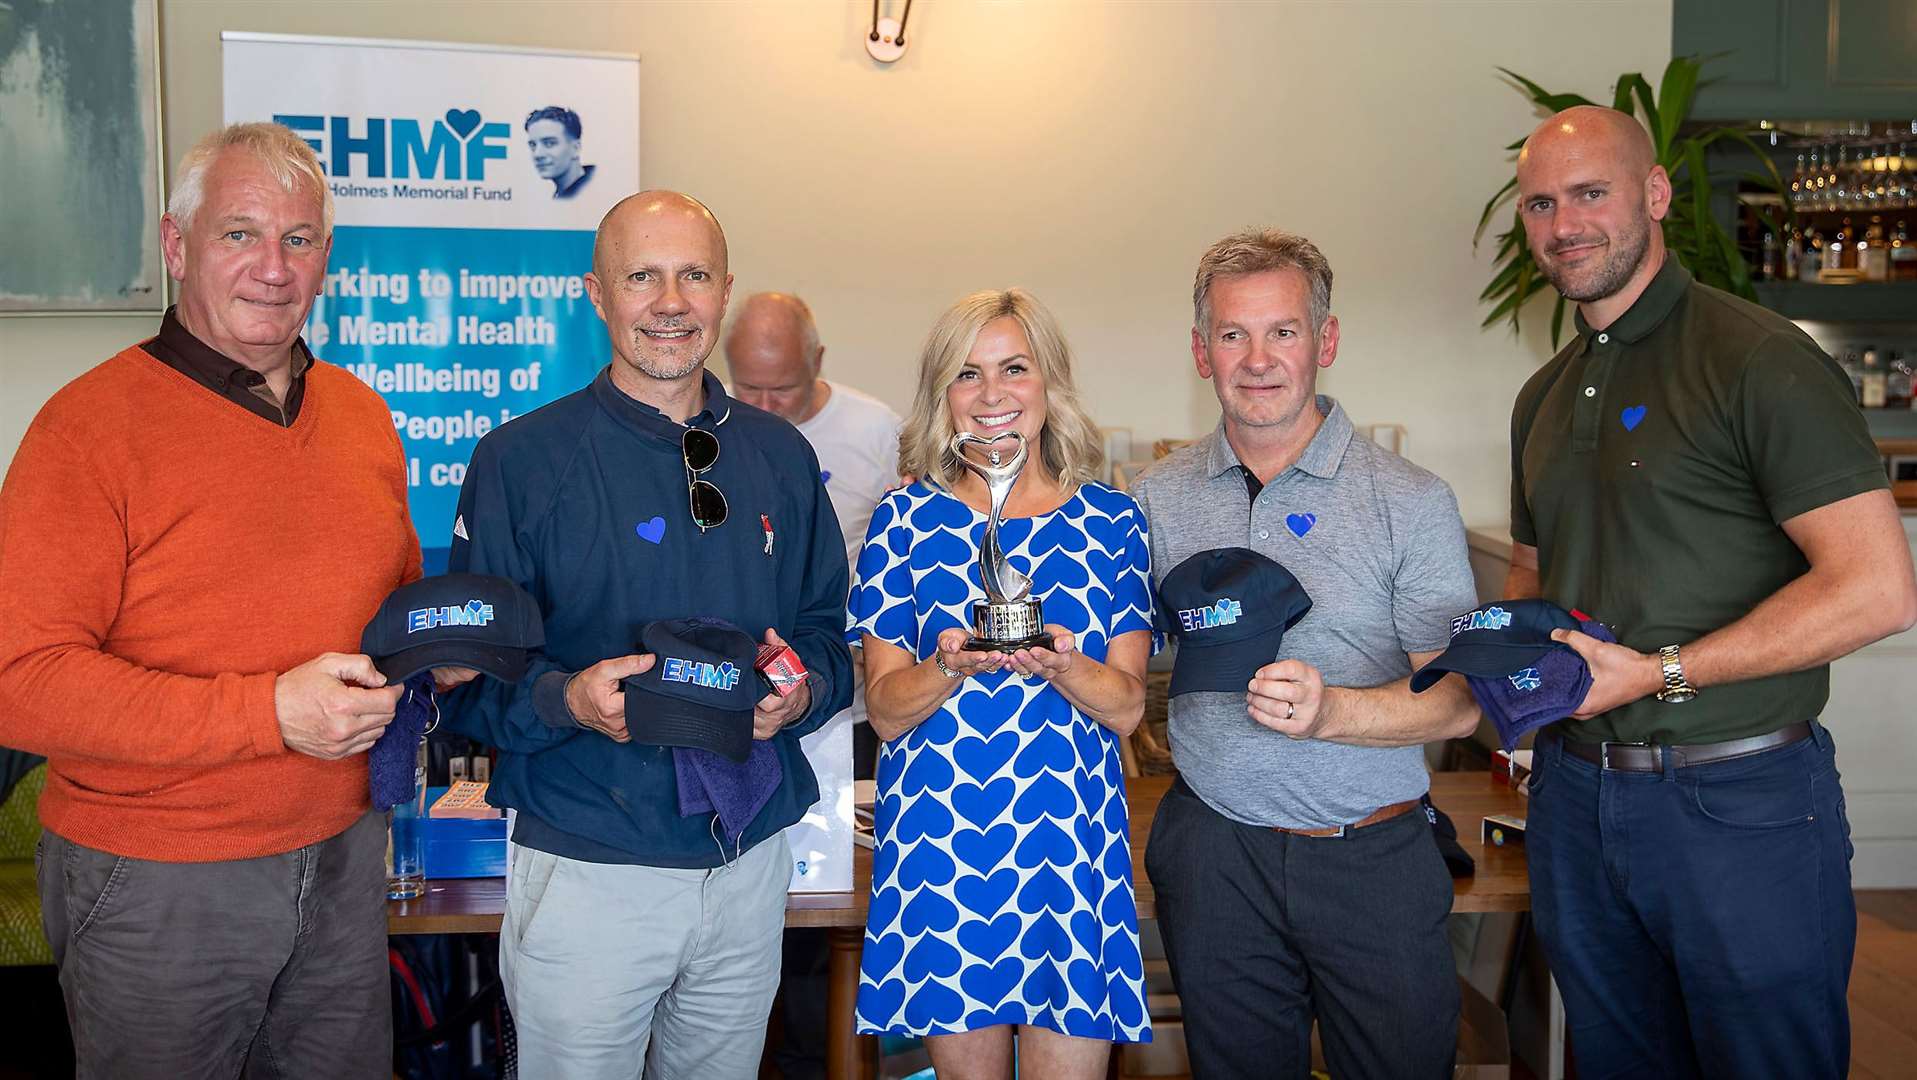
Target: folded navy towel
392, 762
711, 783
1549, 690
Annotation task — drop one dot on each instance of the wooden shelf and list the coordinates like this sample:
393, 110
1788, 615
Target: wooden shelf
1864, 301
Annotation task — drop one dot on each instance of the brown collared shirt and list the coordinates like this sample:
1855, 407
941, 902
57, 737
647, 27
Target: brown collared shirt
177, 348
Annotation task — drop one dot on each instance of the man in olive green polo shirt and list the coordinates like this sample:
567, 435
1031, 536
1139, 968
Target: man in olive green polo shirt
1693, 472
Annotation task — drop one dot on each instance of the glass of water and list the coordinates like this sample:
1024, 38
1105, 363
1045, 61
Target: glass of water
406, 839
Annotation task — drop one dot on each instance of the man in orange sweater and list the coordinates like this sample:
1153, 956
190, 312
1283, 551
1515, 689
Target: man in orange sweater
192, 536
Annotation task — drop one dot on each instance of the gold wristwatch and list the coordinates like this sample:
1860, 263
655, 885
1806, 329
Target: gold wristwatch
1677, 689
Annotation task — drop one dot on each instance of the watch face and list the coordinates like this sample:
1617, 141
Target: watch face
1675, 697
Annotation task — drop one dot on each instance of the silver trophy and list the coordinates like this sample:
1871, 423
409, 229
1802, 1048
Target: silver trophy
1008, 618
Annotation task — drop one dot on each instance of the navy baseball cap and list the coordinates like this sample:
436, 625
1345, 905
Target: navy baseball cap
1496, 640
455, 620
1229, 609
700, 690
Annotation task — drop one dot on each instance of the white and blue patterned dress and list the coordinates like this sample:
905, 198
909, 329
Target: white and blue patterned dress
1002, 876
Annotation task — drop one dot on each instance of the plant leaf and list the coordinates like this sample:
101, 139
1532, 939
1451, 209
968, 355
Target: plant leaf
1553, 102
1631, 84
1674, 95
1484, 218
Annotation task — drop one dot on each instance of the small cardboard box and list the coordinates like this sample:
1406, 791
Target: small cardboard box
1502, 829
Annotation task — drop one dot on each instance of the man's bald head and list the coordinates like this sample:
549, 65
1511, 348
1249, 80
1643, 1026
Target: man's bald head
1590, 195
1593, 131
633, 212
773, 354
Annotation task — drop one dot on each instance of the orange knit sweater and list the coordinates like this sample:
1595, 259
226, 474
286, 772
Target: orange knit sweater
164, 555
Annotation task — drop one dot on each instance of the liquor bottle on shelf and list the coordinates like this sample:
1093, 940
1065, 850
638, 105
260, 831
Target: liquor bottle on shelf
1767, 267
1854, 368
1797, 183
1834, 254
1873, 252
1814, 183
1898, 382
1874, 384
1794, 255
1903, 254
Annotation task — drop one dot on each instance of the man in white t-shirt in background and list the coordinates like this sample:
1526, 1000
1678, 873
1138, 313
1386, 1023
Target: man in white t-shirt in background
773, 357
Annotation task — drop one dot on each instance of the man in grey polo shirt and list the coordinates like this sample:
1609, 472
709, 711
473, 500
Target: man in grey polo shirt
1295, 875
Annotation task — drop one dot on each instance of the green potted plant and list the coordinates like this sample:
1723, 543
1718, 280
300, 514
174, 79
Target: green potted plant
1691, 231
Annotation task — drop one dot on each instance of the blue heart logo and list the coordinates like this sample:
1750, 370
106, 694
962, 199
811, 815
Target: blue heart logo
996, 982
1049, 749
883, 952
1046, 844
983, 851
652, 532
1633, 416
982, 805
931, 772
989, 939
932, 956
1047, 797
1086, 980
1300, 524
825, 476
463, 121
926, 817
983, 895
881, 1001
933, 1005
982, 759
928, 911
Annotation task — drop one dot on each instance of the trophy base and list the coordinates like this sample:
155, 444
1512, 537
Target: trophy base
1008, 627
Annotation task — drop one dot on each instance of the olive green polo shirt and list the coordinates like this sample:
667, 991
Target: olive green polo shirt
1652, 463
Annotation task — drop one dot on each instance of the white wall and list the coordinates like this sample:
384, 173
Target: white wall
1087, 151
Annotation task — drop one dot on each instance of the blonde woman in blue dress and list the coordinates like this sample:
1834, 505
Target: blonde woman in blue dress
1002, 901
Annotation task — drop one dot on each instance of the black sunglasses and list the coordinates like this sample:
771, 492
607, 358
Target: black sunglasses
701, 451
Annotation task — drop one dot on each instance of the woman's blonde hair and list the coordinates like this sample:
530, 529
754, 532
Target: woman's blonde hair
1070, 449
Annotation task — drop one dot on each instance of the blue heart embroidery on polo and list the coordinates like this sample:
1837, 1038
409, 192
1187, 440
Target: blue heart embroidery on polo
1633, 416
652, 532
825, 476
1300, 524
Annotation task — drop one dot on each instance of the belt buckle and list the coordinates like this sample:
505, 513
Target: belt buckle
1604, 751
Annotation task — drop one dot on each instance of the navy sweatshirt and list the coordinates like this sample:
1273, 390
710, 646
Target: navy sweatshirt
583, 502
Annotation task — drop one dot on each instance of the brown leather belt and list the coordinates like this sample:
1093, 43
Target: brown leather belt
1645, 757
1383, 813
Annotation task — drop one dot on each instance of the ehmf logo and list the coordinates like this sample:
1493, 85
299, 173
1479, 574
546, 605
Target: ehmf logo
453, 147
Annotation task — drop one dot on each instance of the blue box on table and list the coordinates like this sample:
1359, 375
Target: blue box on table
463, 847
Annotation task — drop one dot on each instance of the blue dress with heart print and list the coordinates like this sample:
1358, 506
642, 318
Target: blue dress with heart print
1002, 874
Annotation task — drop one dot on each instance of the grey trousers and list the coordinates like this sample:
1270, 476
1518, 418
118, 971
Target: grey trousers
266, 967
613, 969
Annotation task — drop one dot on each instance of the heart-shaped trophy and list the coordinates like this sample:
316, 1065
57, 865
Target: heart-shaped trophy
1008, 618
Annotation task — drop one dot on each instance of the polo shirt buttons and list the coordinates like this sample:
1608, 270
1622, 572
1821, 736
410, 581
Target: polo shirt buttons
1590, 391
1604, 339
1264, 534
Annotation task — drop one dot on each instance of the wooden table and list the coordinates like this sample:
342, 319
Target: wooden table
475, 906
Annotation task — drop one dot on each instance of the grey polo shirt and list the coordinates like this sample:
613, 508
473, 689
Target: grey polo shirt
1378, 544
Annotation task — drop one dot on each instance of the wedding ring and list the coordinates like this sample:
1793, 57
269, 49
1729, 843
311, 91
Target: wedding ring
1290, 710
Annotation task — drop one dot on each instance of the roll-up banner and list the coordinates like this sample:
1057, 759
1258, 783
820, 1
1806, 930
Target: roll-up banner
467, 182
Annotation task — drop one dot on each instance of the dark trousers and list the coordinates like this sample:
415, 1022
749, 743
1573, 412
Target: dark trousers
266, 967
1265, 930
1699, 920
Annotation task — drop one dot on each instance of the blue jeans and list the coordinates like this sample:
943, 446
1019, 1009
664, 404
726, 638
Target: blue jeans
1699, 921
